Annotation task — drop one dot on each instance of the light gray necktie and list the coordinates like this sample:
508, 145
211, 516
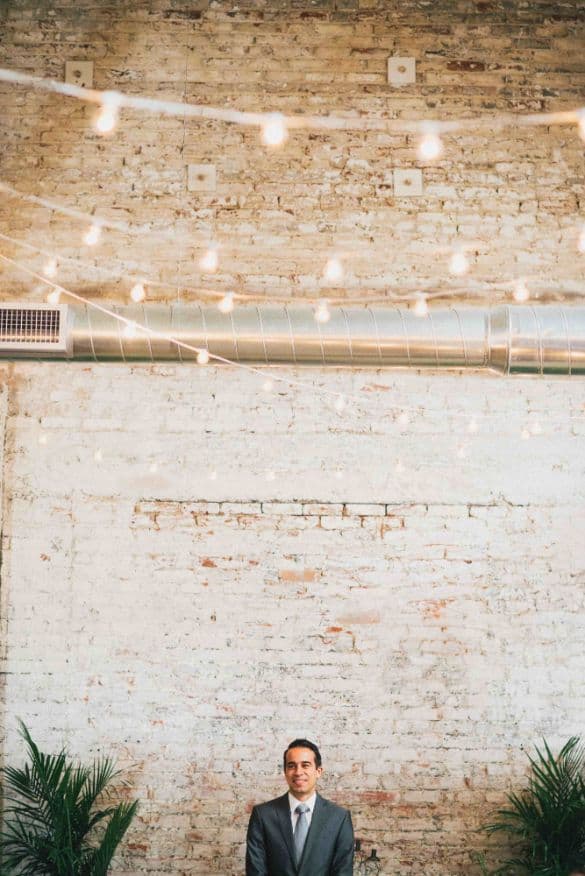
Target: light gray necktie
301, 829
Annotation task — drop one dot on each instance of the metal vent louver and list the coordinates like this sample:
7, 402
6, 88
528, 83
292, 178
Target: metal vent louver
33, 328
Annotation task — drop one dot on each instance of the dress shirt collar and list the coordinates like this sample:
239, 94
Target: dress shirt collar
293, 803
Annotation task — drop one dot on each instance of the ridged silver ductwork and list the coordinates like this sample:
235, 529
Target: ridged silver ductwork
509, 339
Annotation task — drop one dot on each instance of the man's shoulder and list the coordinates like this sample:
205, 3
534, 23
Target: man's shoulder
330, 806
271, 804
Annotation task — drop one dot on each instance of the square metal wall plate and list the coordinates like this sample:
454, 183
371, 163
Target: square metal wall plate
201, 177
79, 73
401, 71
408, 183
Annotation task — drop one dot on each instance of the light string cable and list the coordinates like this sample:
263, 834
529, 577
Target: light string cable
416, 294
401, 413
73, 213
116, 99
96, 223
459, 262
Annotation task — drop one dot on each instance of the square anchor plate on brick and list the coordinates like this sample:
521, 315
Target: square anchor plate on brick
201, 177
401, 71
79, 73
408, 183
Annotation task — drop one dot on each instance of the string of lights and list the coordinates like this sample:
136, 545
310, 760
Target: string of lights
275, 125
407, 294
333, 272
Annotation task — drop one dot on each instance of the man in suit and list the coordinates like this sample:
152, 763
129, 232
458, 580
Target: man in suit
300, 833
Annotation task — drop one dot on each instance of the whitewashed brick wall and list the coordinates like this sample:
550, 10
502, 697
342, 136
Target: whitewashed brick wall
194, 570
423, 626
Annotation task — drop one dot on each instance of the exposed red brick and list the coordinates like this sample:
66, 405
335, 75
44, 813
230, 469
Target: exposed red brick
466, 66
433, 608
304, 575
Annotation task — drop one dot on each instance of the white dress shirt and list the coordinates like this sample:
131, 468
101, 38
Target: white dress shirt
293, 803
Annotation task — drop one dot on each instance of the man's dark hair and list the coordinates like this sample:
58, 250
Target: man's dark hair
302, 743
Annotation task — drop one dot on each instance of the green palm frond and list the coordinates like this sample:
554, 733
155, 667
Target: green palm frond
115, 830
547, 819
53, 822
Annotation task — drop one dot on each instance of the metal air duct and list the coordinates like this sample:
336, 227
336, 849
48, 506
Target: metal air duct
517, 339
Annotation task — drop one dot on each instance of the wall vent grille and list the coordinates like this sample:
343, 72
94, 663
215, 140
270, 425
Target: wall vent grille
39, 327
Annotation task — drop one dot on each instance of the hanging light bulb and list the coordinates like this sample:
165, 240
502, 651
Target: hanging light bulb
268, 385
323, 314
153, 468
581, 243
536, 428
98, 455
50, 268
226, 304
54, 296
339, 404
212, 475
430, 146
209, 260
521, 292
399, 467
472, 426
270, 475
130, 330
93, 234
459, 263
525, 434
403, 418
421, 308
137, 292
108, 116
43, 438
203, 357
274, 130
333, 271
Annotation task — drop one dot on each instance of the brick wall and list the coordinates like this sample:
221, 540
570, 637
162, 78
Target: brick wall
195, 570
511, 196
422, 625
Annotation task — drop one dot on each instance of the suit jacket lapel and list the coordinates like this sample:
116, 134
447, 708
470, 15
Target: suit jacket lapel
284, 821
318, 819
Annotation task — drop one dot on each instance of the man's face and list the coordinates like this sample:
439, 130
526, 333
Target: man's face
301, 773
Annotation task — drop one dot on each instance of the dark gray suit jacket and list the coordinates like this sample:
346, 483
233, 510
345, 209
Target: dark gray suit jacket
328, 848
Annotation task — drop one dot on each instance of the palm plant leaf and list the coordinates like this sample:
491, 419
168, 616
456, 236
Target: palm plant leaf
99, 859
547, 819
26, 850
51, 816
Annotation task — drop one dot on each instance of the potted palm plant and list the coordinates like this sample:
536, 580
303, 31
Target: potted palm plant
55, 819
546, 821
